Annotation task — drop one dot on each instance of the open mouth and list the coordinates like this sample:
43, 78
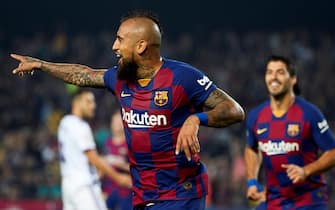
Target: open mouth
119, 57
274, 84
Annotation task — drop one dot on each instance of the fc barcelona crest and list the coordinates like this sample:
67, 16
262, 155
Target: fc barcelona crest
293, 129
161, 97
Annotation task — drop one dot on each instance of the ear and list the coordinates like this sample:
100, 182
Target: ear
293, 80
141, 46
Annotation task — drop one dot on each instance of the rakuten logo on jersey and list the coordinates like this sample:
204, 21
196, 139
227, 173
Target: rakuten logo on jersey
276, 148
143, 120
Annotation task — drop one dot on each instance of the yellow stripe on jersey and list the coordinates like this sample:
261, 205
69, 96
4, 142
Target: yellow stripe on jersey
143, 82
278, 113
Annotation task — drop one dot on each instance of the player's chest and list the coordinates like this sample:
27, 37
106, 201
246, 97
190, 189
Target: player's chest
282, 137
158, 98
281, 129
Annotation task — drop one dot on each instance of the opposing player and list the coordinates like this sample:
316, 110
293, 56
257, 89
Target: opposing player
162, 104
117, 197
78, 158
289, 132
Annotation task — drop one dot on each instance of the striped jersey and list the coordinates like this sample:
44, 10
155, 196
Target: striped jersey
294, 138
115, 153
152, 117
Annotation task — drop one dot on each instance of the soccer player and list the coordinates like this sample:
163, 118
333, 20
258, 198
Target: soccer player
289, 132
79, 159
162, 103
116, 150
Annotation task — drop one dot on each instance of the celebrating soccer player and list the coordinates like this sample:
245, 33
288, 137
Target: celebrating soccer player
288, 131
162, 104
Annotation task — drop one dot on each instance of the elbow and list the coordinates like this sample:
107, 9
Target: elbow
238, 113
226, 114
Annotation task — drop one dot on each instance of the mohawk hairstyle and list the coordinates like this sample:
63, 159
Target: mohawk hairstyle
143, 14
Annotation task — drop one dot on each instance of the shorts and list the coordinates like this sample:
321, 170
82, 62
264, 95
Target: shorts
194, 204
87, 197
115, 201
263, 206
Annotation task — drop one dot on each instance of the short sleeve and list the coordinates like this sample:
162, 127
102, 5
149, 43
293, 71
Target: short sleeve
322, 135
110, 79
250, 135
197, 85
85, 138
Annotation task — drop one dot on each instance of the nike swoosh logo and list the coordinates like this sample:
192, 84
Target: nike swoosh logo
123, 94
260, 131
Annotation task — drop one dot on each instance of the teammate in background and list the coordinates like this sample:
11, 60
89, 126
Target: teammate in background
162, 103
289, 132
79, 159
116, 150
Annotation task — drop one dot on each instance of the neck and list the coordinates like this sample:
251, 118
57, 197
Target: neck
149, 67
282, 104
77, 113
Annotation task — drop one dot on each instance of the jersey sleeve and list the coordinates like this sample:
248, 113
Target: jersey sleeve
110, 79
322, 135
85, 138
197, 85
250, 135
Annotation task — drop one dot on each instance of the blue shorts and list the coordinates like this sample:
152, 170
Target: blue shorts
194, 204
263, 206
115, 201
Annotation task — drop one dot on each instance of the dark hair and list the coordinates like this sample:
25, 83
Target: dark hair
289, 66
143, 14
75, 95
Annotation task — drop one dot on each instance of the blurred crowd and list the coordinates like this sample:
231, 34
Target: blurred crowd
31, 106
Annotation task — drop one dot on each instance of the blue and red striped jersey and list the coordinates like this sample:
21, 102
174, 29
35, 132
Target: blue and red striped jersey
294, 138
152, 117
115, 153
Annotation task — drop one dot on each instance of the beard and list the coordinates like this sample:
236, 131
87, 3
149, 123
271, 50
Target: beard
127, 70
281, 94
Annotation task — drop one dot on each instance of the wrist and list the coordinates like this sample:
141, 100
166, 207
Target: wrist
306, 172
203, 118
40, 64
254, 182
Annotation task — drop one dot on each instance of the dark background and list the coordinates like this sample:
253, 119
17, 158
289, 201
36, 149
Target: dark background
176, 15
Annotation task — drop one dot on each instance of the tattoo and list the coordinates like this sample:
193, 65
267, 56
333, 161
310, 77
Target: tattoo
75, 74
224, 110
146, 72
215, 97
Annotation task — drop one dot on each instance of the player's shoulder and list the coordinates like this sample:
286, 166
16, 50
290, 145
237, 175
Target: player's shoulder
113, 69
179, 67
253, 114
72, 121
305, 105
256, 110
310, 110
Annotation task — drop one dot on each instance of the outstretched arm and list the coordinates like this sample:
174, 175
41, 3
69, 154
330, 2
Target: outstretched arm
71, 73
223, 111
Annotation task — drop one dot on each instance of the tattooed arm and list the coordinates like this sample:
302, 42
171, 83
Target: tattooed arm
223, 111
71, 73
